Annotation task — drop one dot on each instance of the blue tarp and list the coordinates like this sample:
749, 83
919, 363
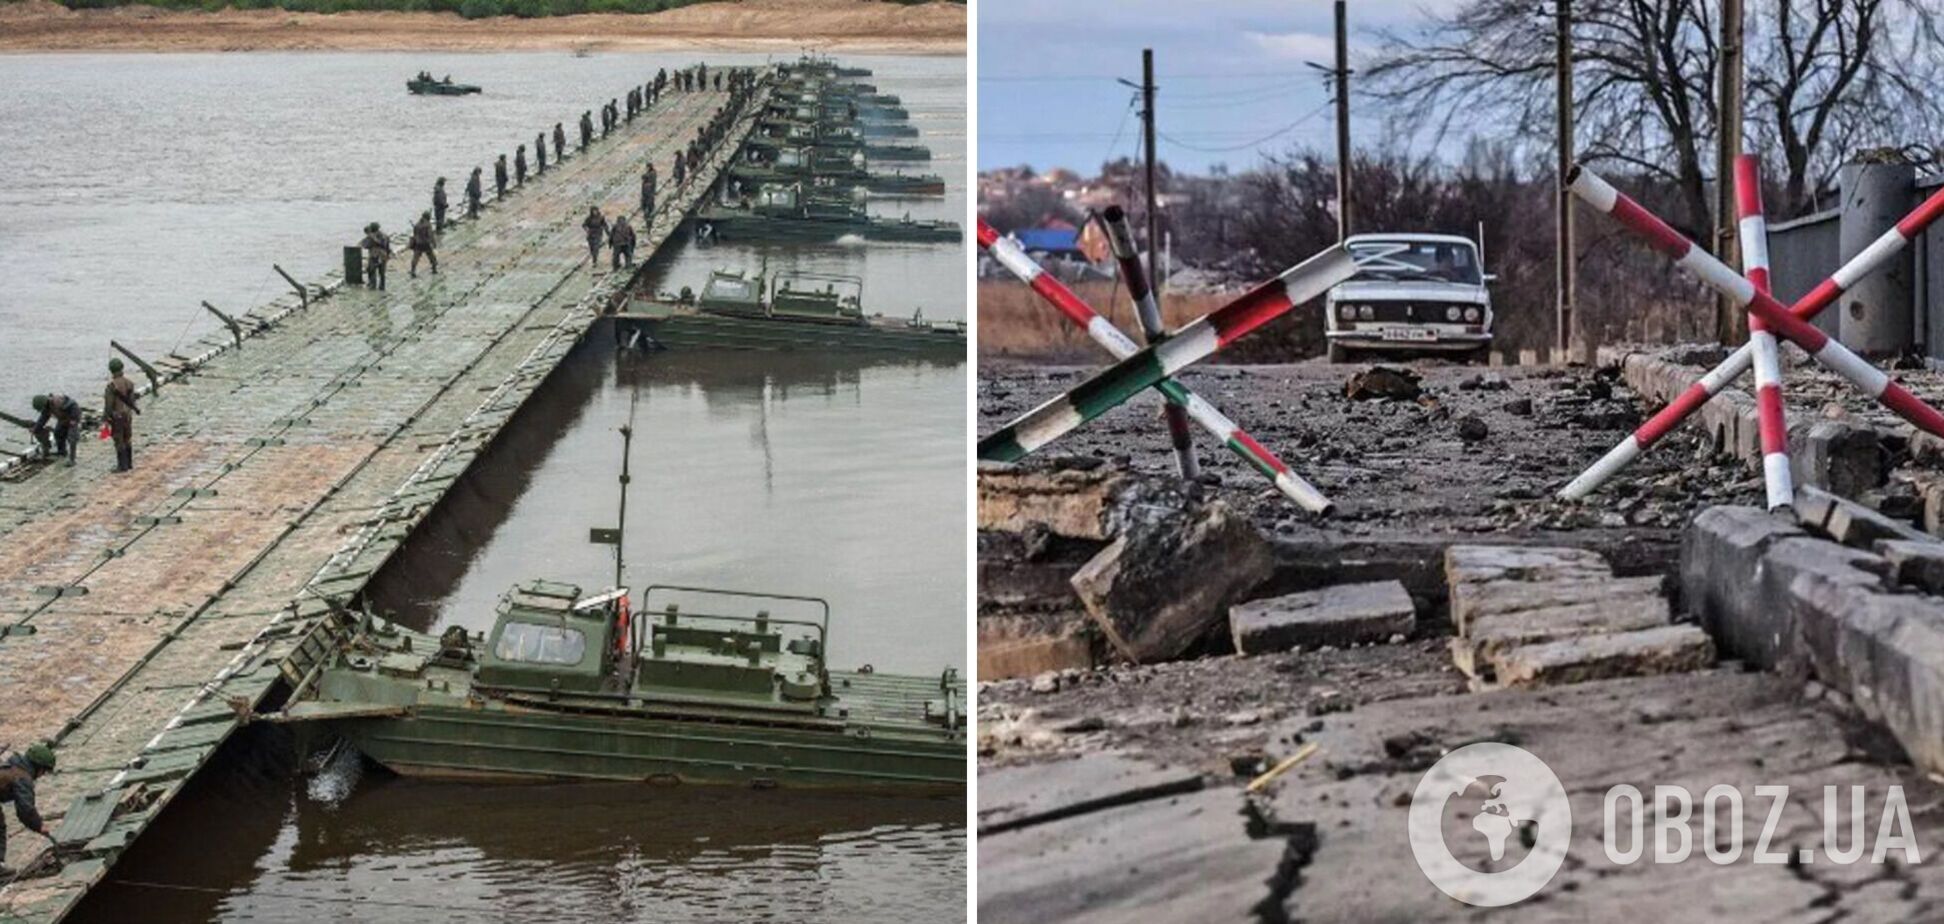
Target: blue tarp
1049, 240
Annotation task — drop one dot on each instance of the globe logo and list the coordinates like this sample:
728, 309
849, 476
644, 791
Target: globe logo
1490, 824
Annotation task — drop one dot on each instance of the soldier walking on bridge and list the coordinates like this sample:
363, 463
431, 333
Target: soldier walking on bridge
422, 244
648, 197
439, 204
473, 194
681, 176
519, 166
560, 144
621, 242
17, 776
118, 402
596, 227
378, 250
540, 153
499, 177
64, 415
587, 129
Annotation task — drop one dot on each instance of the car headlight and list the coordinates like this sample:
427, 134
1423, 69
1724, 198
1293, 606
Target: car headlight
1346, 312
1473, 314
1451, 312
1366, 312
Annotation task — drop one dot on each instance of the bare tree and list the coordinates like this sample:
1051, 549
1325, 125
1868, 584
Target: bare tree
1824, 76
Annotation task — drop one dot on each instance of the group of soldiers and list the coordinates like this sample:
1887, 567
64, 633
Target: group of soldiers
58, 424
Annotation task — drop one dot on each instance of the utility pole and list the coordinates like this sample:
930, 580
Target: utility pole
1343, 118
1153, 207
1729, 319
1563, 257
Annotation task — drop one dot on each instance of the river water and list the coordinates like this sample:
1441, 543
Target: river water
140, 185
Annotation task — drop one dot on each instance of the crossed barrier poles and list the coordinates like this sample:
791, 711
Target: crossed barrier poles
1792, 323
1120, 239
1752, 226
1008, 445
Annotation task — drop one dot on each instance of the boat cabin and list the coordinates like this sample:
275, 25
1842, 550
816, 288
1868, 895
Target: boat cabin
818, 296
548, 637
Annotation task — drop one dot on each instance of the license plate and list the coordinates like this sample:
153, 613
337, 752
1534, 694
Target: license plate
1410, 334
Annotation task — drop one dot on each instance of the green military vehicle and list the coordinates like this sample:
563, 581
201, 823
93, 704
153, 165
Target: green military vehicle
426, 85
794, 212
792, 311
851, 142
700, 686
838, 171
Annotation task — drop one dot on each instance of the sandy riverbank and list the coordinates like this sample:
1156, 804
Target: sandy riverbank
781, 26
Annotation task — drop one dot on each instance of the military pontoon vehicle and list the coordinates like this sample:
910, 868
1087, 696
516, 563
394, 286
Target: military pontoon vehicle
838, 171
789, 311
794, 212
426, 85
570, 685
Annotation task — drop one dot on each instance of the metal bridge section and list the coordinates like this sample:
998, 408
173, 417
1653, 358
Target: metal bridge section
143, 614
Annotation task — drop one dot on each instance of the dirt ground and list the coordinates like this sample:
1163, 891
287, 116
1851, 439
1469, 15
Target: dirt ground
780, 26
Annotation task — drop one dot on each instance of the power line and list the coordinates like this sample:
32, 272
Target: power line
1252, 144
1030, 78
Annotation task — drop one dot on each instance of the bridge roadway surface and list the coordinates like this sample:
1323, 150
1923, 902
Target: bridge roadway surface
145, 611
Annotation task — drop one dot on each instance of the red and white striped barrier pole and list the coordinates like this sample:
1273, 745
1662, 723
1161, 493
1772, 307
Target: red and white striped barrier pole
1121, 239
1145, 369
1753, 227
1074, 309
1822, 296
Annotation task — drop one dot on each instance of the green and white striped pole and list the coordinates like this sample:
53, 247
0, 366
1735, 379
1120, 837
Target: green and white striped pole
1121, 239
1074, 309
1146, 369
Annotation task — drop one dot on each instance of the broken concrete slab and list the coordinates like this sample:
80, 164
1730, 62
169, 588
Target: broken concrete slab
1018, 797
1007, 651
1473, 602
1847, 521
1602, 656
1720, 554
1343, 615
1838, 457
1491, 636
1170, 577
1071, 502
1884, 651
1915, 564
1473, 564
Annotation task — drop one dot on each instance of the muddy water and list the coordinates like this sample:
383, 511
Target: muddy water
833, 476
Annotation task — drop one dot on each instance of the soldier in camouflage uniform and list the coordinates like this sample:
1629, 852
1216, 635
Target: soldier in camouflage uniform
378, 250
621, 242
540, 152
422, 244
438, 204
17, 776
499, 176
119, 404
473, 194
648, 196
60, 417
560, 143
519, 166
596, 227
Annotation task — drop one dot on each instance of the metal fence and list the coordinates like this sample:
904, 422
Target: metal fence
1806, 250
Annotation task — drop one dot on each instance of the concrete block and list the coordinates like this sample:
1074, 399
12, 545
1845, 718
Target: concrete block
1838, 457
1721, 554
1847, 521
1482, 563
1886, 652
1471, 603
1340, 615
1026, 645
1075, 503
1915, 564
1661, 650
1166, 581
1492, 635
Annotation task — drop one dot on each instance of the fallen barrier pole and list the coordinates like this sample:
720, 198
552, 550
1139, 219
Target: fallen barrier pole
1753, 228
1822, 296
1192, 344
1121, 239
1102, 332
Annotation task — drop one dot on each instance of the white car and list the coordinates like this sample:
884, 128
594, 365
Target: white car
1413, 293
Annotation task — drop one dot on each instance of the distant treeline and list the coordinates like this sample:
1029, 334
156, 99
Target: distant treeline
470, 9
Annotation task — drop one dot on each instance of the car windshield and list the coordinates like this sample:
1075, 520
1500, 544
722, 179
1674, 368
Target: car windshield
1437, 261
522, 641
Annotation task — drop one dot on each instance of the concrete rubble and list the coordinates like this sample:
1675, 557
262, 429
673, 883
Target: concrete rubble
1343, 615
1534, 616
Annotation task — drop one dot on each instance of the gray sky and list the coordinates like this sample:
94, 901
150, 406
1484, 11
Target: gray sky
1232, 75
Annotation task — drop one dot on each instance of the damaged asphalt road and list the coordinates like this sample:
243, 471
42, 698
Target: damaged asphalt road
1473, 457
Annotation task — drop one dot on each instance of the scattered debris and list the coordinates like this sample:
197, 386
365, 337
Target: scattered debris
1383, 382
